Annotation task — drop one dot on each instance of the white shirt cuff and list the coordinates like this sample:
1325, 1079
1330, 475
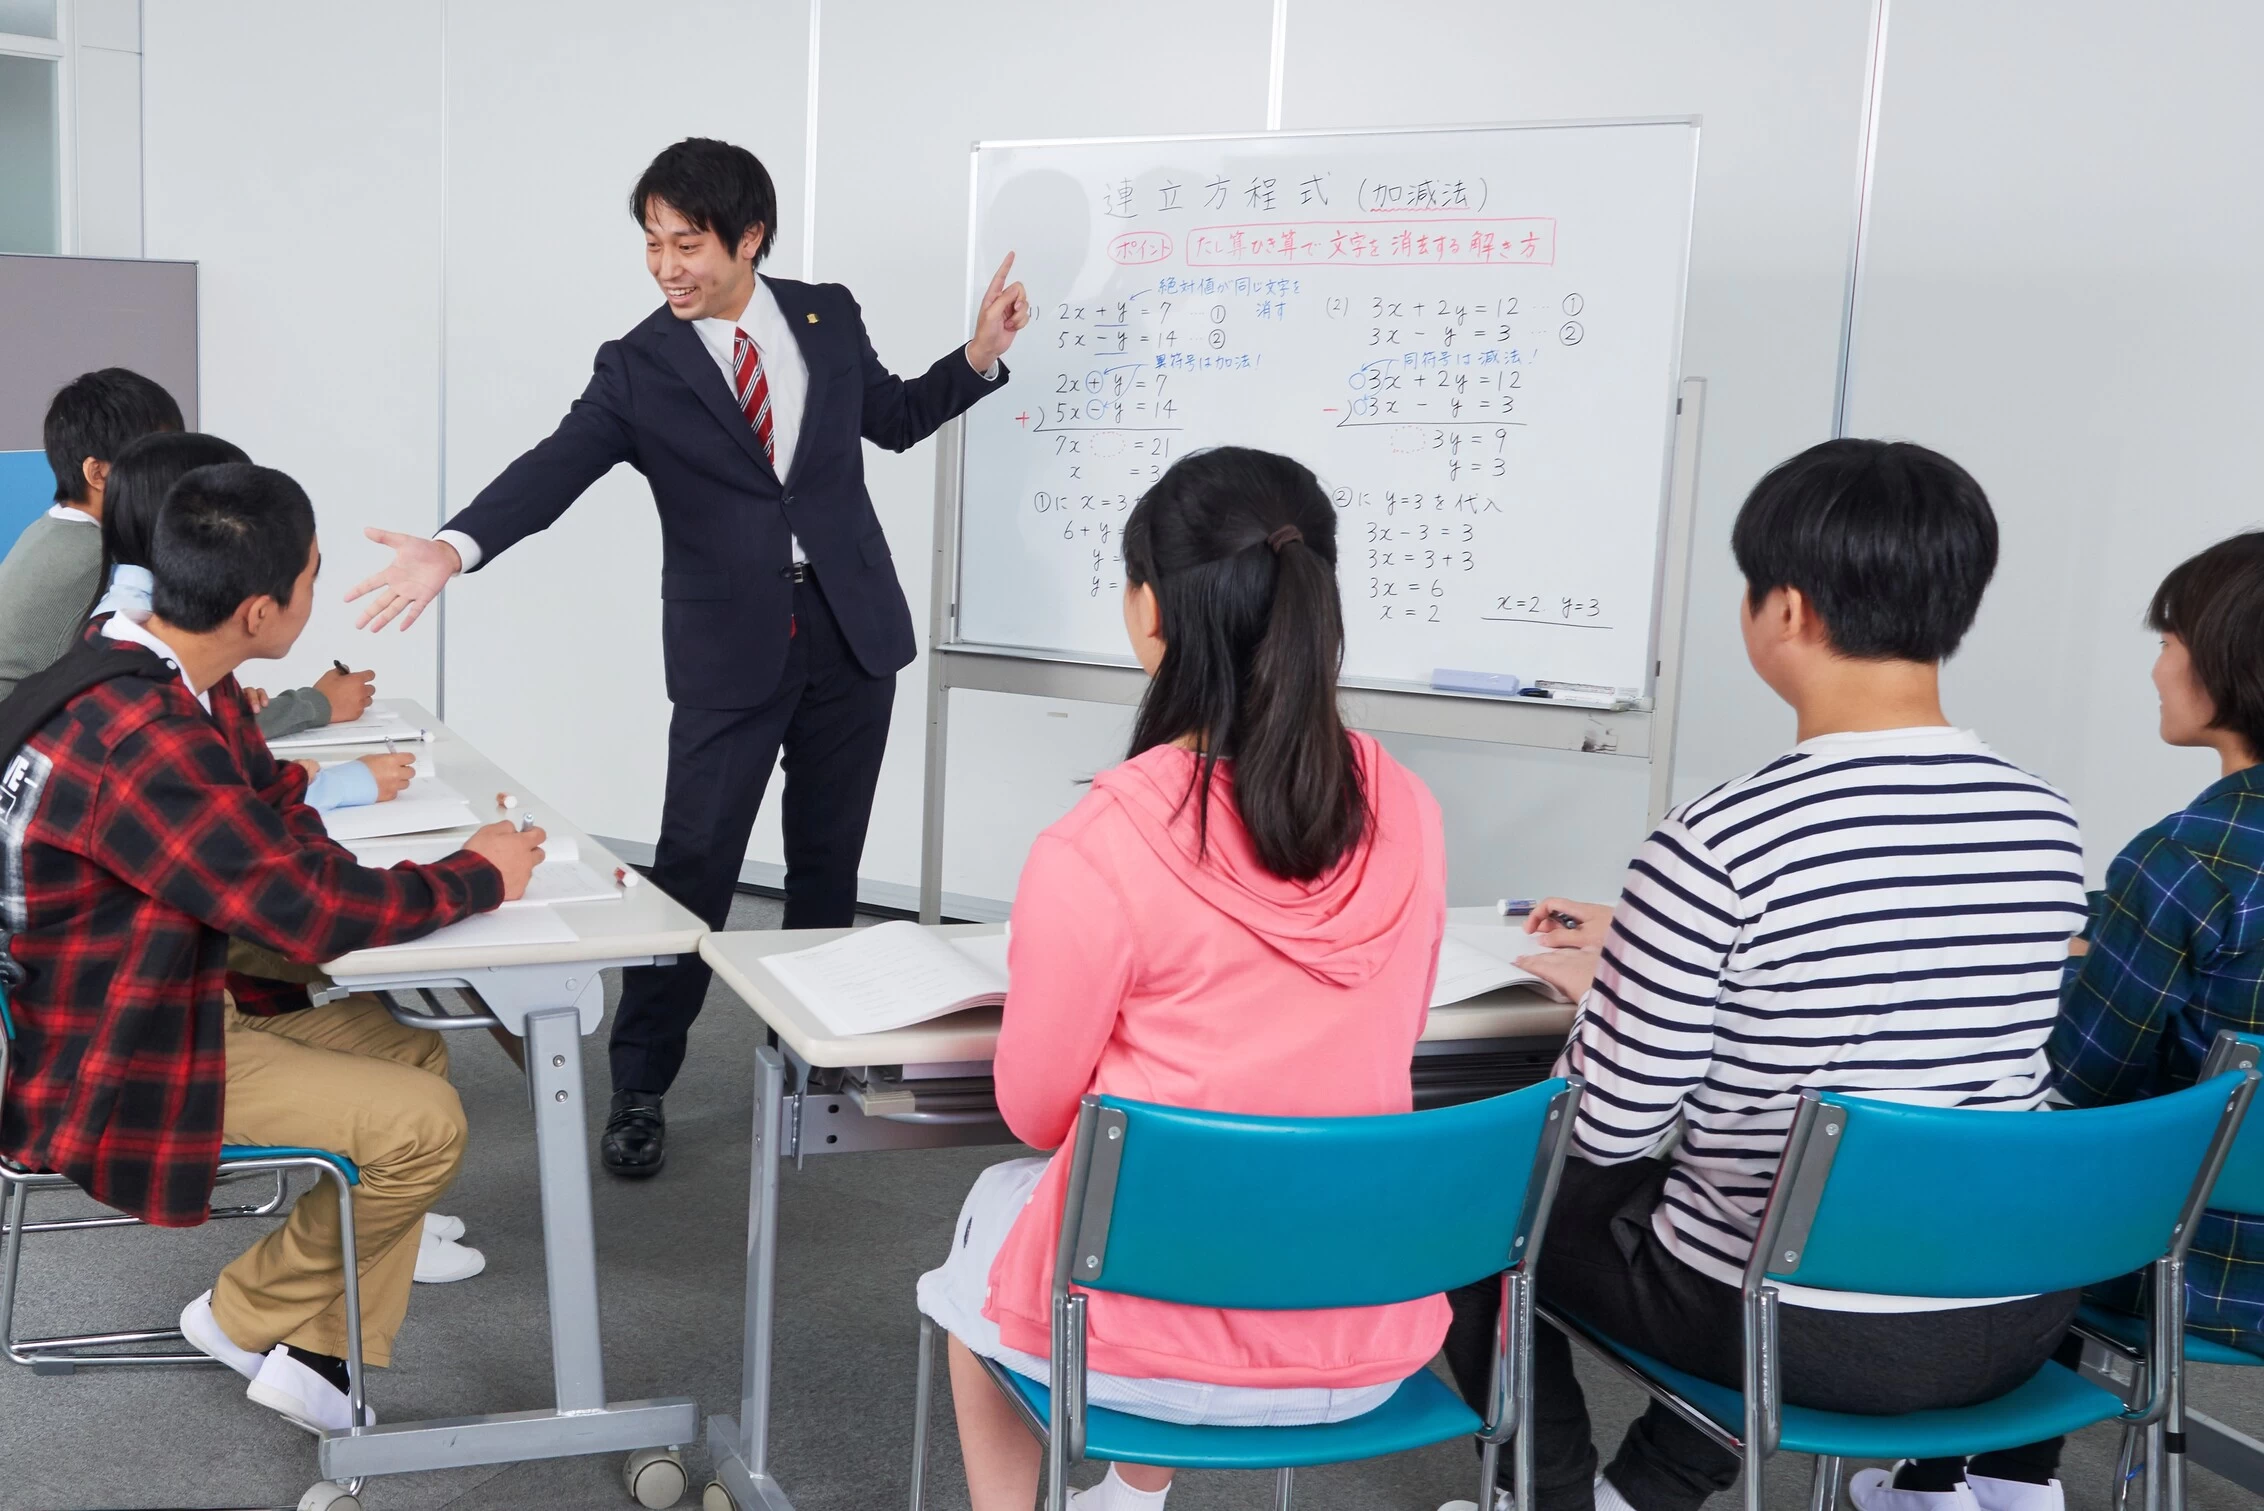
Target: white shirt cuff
988, 376
466, 547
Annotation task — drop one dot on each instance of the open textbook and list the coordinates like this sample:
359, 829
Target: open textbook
563, 875
894, 975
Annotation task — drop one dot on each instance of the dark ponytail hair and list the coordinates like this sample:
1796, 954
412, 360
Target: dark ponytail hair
140, 477
1240, 548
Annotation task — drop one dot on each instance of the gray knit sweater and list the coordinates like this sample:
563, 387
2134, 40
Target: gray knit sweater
46, 585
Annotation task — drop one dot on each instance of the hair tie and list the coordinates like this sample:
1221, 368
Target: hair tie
1283, 537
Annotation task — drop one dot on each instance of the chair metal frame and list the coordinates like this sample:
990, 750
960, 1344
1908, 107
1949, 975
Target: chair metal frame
66, 1354
2163, 1462
1794, 1197
1096, 1155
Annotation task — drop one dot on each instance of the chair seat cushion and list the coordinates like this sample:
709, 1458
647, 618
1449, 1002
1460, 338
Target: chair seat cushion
2054, 1402
2130, 1332
1421, 1412
234, 1154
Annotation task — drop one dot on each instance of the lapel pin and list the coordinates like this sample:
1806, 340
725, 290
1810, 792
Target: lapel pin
812, 317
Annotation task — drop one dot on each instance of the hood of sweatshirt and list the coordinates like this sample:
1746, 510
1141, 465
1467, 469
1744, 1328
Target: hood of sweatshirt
1341, 927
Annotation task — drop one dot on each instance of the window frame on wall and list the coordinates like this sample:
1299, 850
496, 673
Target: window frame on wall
57, 50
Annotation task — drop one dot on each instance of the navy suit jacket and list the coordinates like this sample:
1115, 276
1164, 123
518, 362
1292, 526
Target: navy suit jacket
658, 401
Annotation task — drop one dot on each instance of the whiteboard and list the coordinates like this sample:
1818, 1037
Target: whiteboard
1472, 337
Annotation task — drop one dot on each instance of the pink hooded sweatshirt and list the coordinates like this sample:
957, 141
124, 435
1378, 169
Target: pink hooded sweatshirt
1142, 971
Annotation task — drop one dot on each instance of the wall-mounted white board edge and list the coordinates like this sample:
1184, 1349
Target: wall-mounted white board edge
1562, 450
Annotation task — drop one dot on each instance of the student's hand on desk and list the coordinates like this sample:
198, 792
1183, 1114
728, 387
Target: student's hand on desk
514, 852
349, 693
420, 569
1570, 971
393, 772
1591, 921
256, 697
1005, 310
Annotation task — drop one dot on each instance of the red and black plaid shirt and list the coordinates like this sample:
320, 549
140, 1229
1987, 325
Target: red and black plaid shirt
142, 835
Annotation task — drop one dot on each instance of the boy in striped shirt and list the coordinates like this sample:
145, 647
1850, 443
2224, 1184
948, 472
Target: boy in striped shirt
1882, 910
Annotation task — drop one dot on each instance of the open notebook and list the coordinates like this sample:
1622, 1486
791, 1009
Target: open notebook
896, 974
426, 804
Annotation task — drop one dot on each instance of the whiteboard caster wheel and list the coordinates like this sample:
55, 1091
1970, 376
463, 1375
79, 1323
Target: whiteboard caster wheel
655, 1477
716, 1498
329, 1497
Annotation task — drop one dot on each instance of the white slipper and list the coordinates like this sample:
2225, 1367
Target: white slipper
437, 1226
1503, 1501
285, 1386
1874, 1490
203, 1332
441, 1260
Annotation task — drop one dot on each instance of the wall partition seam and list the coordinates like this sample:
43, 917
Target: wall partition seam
810, 153
1866, 161
440, 439
1277, 63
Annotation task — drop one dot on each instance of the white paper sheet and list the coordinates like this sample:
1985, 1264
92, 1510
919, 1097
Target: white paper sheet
373, 728
889, 976
424, 805
504, 926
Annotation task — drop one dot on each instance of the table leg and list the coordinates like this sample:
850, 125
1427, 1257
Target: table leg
2225, 1450
741, 1449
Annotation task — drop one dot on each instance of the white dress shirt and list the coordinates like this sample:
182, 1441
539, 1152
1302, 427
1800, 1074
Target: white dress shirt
72, 512
122, 628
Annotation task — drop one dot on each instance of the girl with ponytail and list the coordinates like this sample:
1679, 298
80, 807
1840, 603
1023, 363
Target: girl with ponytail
1244, 916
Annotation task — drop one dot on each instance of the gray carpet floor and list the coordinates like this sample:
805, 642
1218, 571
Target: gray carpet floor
856, 1230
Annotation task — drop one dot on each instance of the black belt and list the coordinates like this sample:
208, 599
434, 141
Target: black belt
801, 571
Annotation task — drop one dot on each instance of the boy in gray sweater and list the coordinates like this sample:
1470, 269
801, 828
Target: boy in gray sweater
51, 576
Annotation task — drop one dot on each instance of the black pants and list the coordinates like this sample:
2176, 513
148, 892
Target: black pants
830, 718
1602, 1262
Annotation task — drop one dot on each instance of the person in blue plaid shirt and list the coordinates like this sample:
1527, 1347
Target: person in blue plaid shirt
2173, 954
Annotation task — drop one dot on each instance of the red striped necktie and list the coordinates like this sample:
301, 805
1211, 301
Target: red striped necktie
753, 391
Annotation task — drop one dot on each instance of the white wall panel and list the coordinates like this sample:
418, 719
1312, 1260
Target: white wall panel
895, 122
554, 650
293, 152
106, 105
2061, 295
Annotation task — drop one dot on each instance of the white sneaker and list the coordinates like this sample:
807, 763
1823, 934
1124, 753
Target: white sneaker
2016, 1495
1608, 1497
1874, 1490
286, 1386
1503, 1501
437, 1226
203, 1332
440, 1260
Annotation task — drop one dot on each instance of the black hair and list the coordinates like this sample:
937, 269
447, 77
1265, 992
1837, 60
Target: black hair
140, 477
97, 415
715, 186
227, 534
2214, 602
1891, 543
1240, 548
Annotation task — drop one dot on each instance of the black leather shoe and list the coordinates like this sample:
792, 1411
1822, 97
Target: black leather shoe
636, 1136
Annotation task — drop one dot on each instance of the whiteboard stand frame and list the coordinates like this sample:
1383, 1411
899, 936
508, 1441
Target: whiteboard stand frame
1645, 734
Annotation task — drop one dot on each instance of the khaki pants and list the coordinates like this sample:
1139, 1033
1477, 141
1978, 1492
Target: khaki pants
343, 1077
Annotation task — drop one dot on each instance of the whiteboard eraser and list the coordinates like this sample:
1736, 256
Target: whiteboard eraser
1446, 679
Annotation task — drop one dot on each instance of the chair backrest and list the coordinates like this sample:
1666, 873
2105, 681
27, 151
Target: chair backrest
1274, 1214
2240, 1185
1959, 1202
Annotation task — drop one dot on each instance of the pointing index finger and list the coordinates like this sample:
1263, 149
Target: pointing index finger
998, 279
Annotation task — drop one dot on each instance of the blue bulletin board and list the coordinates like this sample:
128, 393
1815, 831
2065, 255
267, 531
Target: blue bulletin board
27, 489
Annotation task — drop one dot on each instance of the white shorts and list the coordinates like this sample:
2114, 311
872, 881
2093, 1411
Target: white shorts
953, 1297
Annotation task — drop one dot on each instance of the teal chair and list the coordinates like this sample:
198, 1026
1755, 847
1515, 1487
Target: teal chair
1898, 1200
2240, 1191
126, 1347
1286, 1214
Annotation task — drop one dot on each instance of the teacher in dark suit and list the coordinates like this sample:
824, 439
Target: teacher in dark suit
744, 401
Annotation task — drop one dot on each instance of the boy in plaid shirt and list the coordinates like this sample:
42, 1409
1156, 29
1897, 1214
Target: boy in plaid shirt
140, 828
2174, 953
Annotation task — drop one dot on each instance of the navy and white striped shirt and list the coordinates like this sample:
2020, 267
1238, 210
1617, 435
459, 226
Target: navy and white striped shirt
1883, 913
